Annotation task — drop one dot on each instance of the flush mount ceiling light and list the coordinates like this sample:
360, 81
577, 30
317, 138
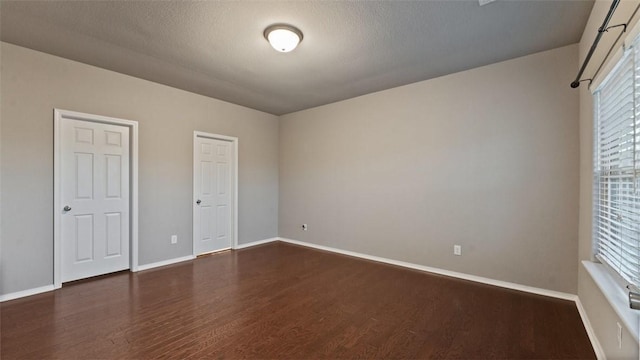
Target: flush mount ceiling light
282, 37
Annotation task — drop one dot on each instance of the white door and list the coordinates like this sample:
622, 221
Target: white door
213, 194
94, 182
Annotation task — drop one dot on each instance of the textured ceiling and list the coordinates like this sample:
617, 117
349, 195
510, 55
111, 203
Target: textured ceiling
349, 48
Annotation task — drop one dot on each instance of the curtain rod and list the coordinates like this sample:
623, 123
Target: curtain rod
601, 31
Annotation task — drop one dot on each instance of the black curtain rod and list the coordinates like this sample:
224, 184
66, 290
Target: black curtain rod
601, 31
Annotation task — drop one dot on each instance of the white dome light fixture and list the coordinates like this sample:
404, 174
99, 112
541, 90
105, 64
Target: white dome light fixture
283, 37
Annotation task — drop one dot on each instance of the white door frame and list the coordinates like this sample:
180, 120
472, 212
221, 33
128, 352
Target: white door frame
234, 183
58, 116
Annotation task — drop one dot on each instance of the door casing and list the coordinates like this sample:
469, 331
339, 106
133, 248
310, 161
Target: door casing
234, 183
58, 116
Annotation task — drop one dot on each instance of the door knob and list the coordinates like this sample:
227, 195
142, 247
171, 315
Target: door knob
67, 208
634, 297
197, 202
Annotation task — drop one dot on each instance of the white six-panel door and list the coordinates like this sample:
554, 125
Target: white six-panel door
213, 213
94, 182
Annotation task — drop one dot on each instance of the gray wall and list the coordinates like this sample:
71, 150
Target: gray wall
486, 158
601, 315
34, 83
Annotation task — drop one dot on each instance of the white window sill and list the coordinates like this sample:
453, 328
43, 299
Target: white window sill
617, 296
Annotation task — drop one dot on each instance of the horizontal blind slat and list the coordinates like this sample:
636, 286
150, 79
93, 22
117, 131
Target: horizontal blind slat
616, 186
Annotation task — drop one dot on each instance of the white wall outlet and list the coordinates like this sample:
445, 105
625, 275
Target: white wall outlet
457, 250
619, 335
174, 239
304, 227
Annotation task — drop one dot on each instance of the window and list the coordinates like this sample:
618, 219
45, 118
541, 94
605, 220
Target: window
616, 208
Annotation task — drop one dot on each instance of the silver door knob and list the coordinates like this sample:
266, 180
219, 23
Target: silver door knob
67, 208
634, 297
198, 202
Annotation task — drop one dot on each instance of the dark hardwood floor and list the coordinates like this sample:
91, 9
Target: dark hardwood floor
288, 302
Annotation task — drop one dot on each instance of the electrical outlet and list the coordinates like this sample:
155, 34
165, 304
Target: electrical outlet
619, 335
457, 250
304, 227
174, 239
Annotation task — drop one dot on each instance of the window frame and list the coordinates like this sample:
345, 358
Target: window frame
630, 53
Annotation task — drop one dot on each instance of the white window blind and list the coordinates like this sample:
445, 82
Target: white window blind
617, 168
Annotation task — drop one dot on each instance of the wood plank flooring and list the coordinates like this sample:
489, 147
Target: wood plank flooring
280, 301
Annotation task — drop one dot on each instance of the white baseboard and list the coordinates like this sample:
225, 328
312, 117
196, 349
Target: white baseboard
504, 284
165, 262
480, 279
191, 257
255, 243
597, 348
25, 293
